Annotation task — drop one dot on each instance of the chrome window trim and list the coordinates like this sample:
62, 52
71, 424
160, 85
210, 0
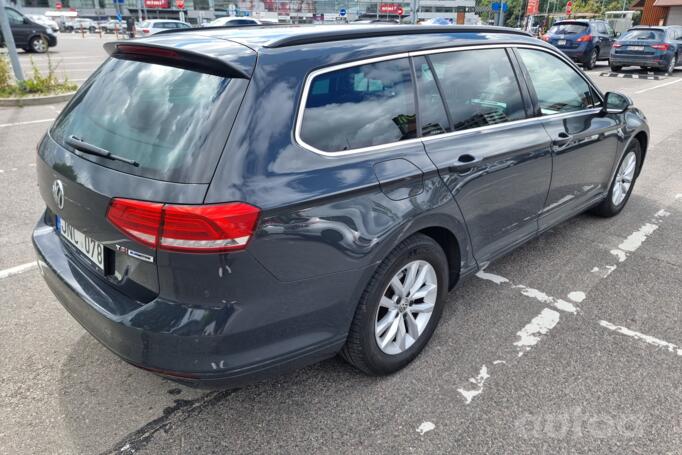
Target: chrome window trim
481, 129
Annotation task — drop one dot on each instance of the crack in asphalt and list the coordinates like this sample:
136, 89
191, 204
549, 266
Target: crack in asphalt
179, 412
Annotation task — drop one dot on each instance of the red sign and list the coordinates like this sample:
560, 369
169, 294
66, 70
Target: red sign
389, 8
569, 8
58, 5
156, 3
180, 4
533, 7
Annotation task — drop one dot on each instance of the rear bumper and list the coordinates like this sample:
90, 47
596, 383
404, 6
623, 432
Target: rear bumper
578, 53
204, 346
657, 61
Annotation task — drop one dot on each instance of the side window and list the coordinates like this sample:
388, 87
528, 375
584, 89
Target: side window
14, 17
479, 87
360, 106
601, 28
432, 114
558, 87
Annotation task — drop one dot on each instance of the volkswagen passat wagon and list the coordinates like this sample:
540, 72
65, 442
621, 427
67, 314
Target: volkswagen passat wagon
224, 205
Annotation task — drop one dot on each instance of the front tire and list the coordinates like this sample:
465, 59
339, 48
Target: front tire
38, 44
399, 309
623, 182
672, 65
616, 68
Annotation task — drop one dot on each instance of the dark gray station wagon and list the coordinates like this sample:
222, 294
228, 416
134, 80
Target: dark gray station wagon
225, 204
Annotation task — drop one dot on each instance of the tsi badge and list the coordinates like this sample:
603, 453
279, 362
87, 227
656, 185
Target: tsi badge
58, 193
135, 254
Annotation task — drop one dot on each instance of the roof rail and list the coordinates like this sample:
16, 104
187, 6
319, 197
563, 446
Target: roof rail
217, 27
357, 32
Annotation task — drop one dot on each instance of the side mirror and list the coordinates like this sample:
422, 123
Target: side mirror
616, 103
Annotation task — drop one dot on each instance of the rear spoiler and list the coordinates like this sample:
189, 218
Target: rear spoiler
172, 56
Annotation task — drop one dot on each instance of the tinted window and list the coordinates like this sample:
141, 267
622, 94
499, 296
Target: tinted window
558, 87
479, 87
14, 17
359, 107
645, 35
162, 117
568, 29
432, 114
601, 28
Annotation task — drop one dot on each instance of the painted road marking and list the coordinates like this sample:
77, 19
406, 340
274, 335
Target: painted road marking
540, 325
425, 427
18, 269
478, 381
30, 122
658, 86
640, 336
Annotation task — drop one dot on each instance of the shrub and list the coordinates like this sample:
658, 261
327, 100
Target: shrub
37, 84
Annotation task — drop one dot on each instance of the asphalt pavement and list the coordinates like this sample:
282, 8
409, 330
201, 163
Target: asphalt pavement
570, 344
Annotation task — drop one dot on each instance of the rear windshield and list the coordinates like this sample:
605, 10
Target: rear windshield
172, 121
568, 29
642, 35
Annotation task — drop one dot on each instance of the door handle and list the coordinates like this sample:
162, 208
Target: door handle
562, 139
464, 164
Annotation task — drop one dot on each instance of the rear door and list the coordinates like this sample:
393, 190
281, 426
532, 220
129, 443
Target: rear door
166, 123
604, 39
584, 141
495, 161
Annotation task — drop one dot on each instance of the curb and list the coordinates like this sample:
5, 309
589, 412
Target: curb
35, 100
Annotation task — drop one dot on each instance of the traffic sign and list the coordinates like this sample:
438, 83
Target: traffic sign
180, 4
58, 5
496, 6
342, 12
400, 11
569, 8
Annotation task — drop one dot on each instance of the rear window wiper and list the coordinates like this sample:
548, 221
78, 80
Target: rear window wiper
82, 146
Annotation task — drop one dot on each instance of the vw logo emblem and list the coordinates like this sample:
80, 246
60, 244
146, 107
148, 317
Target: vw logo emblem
58, 193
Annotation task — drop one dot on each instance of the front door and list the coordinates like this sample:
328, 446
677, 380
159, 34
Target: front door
20, 30
584, 141
496, 163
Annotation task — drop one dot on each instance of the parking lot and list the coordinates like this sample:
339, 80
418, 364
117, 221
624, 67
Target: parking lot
570, 344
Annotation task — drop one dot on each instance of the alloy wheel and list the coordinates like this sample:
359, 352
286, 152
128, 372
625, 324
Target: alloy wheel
406, 307
671, 65
39, 45
624, 177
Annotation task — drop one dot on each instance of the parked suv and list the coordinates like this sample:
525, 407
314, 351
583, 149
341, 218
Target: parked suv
152, 27
648, 47
225, 204
585, 41
81, 24
29, 35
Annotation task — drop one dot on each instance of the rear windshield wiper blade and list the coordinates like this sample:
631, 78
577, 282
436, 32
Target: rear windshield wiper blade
82, 146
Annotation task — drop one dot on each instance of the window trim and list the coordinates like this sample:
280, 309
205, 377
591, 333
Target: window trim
533, 118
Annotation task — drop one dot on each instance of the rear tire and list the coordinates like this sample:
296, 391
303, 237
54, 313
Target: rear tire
382, 310
591, 60
672, 65
620, 190
616, 68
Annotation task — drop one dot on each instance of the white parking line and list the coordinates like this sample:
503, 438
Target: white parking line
478, 381
30, 122
540, 325
18, 269
640, 336
658, 86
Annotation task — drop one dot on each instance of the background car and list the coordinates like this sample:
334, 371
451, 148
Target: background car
648, 47
28, 35
233, 22
44, 20
113, 25
81, 23
154, 26
584, 41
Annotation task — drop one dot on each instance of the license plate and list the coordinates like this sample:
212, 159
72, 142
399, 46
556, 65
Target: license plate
91, 248
561, 42
635, 48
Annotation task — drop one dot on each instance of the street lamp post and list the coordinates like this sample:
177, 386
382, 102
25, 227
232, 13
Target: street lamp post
9, 42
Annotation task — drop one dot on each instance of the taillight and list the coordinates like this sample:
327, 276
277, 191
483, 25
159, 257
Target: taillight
584, 39
187, 228
545, 37
145, 30
617, 45
145, 50
661, 47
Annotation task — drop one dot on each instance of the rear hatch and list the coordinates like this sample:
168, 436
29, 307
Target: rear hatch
641, 42
149, 125
567, 34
